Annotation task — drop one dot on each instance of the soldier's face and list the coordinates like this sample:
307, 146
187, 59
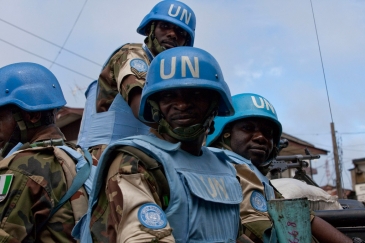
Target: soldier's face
170, 35
7, 125
252, 138
185, 107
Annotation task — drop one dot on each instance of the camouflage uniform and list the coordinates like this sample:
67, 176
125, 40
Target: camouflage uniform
254, 221
38, 183
118, 67
108, 212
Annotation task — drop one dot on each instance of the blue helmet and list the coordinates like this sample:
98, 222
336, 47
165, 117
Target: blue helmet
30, 86
172, 11
185, 67
247, 105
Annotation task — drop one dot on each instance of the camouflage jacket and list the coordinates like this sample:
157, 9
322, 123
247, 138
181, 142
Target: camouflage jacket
108, 211
117, 68
35, 184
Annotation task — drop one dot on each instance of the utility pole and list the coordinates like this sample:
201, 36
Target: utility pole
337, 165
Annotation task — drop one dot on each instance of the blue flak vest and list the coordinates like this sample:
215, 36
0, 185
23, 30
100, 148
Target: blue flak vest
270, 234
116, 123
204, 191
238, 159
107, 127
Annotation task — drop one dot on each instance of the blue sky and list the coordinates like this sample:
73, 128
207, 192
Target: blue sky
265, 47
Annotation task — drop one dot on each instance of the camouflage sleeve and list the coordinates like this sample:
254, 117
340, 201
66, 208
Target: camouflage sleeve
111, 79
128, 186
34, 184
96, 152
132, 62
253, 206
253, 210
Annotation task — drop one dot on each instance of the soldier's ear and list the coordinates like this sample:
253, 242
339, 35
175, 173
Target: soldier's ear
32, 117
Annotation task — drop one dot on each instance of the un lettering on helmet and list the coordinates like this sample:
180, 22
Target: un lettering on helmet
185, 67
263, 103
247, 105
186, 64
184, 14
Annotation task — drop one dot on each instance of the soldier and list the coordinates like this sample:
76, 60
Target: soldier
166, 187
35, 179
111, 110
251, 138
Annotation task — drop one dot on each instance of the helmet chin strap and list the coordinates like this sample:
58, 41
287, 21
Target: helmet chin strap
13, 141
264, 167
152, 42
25, 125
19, 134
185, 134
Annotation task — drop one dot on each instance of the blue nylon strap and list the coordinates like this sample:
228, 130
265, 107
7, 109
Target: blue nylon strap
88, 157
16, 148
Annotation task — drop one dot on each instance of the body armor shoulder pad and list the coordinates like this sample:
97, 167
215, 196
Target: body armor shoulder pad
155, 169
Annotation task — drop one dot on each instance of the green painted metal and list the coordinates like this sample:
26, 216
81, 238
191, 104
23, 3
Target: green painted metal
291, 219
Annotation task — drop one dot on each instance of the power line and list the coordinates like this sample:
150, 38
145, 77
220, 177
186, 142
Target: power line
72, 70
69, 34
355, 150
351, 133
355, 145
52, 43
310, 134
320, 54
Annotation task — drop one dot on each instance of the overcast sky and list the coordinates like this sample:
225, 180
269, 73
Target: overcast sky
264, 46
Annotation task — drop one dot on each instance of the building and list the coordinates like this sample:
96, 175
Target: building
358, 178
297, 146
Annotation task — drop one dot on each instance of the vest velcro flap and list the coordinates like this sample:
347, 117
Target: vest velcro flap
215, 188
